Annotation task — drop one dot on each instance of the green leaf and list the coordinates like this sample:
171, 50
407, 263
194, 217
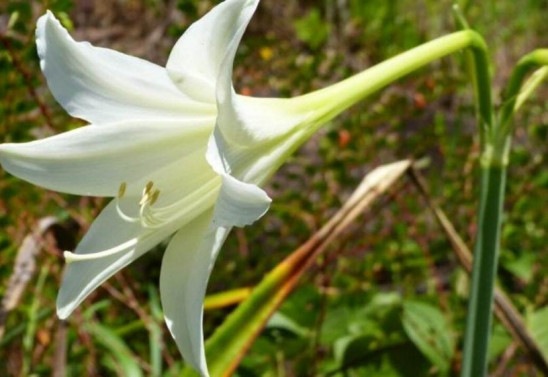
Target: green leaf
520, 266
537, 321
280, 321
367, 356
374, 342
120, 358
499, 342
312, 30
378, 318
427, 328
530, 85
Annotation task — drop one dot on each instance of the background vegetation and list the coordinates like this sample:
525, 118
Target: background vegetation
369, 304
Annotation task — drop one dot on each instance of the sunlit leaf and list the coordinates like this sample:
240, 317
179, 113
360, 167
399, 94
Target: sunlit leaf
530, 85
312, 29
539, 330
499, 342
280, 321
427, 328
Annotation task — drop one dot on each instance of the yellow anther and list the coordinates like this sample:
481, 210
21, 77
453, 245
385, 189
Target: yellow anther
148, 187
154, 197
122, 190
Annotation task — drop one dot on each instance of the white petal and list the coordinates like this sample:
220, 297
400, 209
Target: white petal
239, 203
106, 232
197, 59
246, 121
96, 160
186, 267
102, 85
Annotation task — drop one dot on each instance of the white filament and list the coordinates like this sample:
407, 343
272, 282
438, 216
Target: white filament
72, 257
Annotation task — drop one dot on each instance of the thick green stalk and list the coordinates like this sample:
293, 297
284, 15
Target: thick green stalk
479, 316
494, 160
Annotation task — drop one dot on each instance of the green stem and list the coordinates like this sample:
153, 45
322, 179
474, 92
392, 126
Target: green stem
478, 325
494, 159
525, 65
459, 17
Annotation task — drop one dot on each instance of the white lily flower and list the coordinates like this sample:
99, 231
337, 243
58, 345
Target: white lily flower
179, 151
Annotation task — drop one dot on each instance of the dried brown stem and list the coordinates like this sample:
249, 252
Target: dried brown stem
24, 268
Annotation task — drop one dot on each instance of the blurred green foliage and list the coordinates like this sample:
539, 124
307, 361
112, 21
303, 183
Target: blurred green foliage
387, 299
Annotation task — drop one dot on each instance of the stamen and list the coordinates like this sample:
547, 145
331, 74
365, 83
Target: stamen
72, 257
157, 216
148, 198
151, 216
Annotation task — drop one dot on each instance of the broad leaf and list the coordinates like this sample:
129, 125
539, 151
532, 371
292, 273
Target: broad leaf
427, 328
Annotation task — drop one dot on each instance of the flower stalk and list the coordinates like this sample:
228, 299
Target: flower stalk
494, 163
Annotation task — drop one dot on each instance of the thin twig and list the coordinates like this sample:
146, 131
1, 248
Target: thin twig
24, 268
60, 353
508, 354
27, 78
